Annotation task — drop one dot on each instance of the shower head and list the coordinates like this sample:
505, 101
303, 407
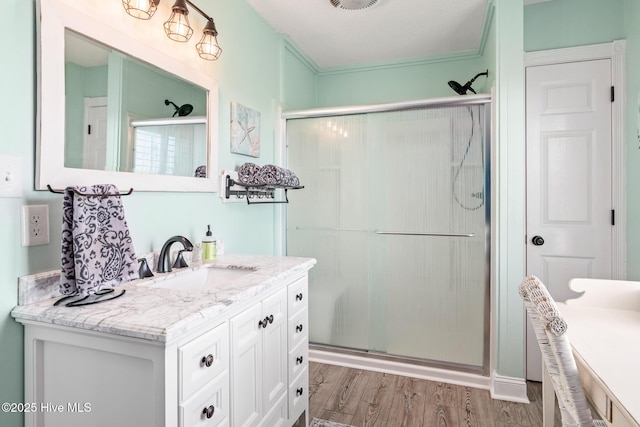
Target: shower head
183, 110
463, 89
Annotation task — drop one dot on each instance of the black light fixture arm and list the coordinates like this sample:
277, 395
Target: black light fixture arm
207, 17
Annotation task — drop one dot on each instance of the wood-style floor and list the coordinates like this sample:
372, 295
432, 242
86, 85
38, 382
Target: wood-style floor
366, 399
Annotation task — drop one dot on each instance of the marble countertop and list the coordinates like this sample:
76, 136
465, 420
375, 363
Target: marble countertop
165, 315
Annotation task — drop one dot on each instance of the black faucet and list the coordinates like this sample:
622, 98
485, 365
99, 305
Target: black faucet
164, 263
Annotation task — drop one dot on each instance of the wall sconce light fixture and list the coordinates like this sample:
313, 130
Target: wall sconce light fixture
177, 26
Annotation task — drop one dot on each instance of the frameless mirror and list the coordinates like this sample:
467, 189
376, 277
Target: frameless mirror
114, 110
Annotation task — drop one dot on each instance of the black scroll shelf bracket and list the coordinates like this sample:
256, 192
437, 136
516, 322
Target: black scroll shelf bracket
256, 194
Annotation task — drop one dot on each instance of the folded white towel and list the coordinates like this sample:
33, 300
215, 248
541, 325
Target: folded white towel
97, 250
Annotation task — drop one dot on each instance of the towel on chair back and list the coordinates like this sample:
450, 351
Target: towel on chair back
97, 250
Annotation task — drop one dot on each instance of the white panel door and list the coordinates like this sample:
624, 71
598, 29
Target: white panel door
569, 207
95, 137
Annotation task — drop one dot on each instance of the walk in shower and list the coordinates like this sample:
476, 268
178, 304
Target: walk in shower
396, 211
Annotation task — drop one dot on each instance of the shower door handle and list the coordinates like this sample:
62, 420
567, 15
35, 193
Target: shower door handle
402, 233
537, 240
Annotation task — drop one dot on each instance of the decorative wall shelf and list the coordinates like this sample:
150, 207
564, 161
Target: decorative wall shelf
235, 190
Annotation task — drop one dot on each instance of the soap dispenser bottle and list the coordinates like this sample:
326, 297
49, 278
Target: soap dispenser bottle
208, 246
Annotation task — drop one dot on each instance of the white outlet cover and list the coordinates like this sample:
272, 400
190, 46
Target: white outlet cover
35, 225
10, 176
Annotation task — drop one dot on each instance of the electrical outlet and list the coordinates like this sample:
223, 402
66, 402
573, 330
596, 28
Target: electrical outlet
35, 225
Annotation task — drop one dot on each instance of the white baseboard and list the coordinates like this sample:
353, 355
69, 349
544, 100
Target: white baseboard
501, 388
508, 388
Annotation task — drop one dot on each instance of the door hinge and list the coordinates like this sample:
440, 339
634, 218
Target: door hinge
613, 93
613, 217
88, 129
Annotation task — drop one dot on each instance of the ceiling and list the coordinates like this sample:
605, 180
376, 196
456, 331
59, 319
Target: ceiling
390, 30
387, 31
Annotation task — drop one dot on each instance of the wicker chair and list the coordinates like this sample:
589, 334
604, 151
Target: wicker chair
550, 330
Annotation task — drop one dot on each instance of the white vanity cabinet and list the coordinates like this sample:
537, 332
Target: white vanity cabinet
78, 378
259, 361
244, 366
298, 346
269, 360
204, 380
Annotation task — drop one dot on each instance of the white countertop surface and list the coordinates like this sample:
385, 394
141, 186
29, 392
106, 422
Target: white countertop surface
608, 340
166, 314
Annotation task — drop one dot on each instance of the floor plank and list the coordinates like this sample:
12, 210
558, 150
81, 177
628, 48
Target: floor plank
376, 401
407, 409
364, 398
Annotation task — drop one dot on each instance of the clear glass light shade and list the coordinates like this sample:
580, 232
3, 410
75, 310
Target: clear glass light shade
208, 47
177, 27
141, 9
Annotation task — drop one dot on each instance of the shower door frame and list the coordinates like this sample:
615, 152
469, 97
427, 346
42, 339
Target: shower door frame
466, 100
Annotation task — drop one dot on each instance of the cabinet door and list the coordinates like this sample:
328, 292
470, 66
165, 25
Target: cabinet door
246, 367
275, 348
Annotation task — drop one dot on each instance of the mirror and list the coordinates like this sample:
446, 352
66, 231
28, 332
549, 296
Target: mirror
112, 109
151, 138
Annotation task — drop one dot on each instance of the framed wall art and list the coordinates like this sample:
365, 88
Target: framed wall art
245, 130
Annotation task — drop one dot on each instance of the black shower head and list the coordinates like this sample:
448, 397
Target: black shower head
183, 110
462, 90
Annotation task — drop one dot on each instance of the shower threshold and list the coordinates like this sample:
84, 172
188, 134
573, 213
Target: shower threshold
476, 376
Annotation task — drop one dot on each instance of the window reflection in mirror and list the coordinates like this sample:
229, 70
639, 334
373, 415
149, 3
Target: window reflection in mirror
119, 114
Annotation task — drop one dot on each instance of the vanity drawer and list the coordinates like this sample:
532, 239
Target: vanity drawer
298, 359
209, 407
299, 395
203, 359
297, 296
594, 391
298, 329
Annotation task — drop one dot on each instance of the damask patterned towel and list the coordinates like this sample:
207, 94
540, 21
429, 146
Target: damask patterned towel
249, 173
97, 250
275, 175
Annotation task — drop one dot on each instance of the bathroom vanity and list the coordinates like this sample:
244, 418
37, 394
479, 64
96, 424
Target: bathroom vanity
231, 353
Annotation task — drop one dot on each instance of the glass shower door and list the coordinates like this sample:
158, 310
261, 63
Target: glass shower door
393, 209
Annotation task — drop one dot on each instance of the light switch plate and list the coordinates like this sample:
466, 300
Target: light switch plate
35, 225
10, 176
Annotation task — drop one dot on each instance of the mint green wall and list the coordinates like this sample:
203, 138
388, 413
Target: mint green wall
249, 72
566, 23
488, 53
509, 184
300, 80
397, 81
632, 27
145, 90
80, 82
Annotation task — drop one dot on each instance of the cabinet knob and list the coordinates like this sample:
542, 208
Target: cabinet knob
299, 297
299, 391
299, 328
265, 322
299, 360
208, 411
207, 360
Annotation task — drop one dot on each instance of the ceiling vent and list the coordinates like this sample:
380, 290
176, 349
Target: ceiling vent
353, 4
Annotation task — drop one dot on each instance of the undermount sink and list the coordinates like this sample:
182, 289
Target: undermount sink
201, 279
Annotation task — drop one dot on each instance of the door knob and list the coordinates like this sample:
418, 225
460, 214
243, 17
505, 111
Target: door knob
537, 240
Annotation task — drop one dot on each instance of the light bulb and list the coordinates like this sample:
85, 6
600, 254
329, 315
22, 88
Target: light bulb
177, 27
141, 9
